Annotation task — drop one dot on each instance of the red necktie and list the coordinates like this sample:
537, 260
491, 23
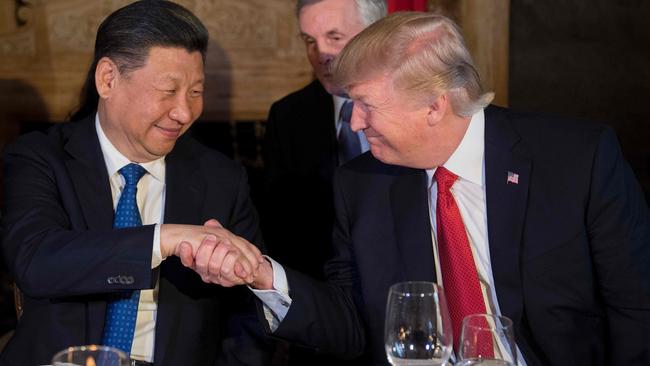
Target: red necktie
459, 275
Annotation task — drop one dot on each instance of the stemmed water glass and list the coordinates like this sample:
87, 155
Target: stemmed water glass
487, 340
418, 327
90, 356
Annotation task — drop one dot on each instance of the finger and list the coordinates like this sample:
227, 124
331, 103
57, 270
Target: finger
213, 223
185, 254
248, 261
216, 261
251, 252
225, 283
241, 273
228, 266
244, 267
224, 274
203, 255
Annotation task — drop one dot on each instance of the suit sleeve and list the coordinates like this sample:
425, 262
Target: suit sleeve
323, 315
619, 232
49, 253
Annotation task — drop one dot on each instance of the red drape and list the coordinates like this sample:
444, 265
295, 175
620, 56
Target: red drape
397, 5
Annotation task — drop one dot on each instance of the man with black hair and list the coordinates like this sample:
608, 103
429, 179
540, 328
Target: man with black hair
102, 216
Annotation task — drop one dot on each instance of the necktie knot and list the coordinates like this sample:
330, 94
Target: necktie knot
445, 179
349, 144
346, 111
132, 173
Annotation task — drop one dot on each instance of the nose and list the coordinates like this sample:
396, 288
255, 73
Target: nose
358, 118
181, 112
325, 53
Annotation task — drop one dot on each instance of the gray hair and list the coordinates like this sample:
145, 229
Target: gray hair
369, 10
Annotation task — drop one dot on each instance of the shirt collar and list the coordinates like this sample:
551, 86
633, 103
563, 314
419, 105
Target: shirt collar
467, 160
115, 160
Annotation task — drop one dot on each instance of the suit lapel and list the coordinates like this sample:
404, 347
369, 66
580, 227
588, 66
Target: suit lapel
184, 193
506, 208
323, 111
184, 186
409, 203
88, 173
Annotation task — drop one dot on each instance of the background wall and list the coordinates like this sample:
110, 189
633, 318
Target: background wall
48, 44
587, 59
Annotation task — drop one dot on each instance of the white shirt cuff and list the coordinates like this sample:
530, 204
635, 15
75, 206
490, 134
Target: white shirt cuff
276, 301
156, 254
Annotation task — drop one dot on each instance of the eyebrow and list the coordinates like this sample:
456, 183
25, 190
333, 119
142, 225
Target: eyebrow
175, 79
303, 34
329, 33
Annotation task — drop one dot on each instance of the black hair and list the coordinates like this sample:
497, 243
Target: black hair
127, 35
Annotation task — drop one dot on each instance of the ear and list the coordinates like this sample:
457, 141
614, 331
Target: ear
106, 75
437, 109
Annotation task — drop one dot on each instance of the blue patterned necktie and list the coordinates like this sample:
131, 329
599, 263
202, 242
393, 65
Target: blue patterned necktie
349, 144
122, 312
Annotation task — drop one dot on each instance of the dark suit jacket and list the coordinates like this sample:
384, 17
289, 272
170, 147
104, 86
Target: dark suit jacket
569, 246
301, 156
61, 248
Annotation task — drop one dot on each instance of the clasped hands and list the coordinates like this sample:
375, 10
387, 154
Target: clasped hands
216, 254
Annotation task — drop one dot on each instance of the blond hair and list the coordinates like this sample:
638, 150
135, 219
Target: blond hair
425, 55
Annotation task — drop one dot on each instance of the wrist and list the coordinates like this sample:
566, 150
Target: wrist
264, 278
167, 243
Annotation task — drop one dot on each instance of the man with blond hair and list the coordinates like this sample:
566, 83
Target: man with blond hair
535, 218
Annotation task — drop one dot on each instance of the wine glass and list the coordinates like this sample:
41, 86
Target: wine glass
487, 340
90, 356
418, 327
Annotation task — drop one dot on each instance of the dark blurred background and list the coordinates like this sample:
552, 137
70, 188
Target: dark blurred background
587, 59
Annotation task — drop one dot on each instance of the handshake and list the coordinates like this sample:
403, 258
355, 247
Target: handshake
216, 254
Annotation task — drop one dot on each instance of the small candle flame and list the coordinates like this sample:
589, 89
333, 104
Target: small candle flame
90, 361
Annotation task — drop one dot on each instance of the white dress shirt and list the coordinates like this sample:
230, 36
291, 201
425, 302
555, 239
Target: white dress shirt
468, 163
151, 203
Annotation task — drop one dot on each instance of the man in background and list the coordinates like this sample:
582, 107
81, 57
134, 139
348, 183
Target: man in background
308, 136
303, 134
98, 212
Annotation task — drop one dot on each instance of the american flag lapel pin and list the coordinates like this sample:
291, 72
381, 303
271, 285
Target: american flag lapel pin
512, 178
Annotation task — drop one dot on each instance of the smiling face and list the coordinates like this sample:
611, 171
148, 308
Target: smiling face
144, 112
400, 130
393, 126
326, 27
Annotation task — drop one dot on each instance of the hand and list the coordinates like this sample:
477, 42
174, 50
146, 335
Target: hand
262, 279
226, 270
216, 254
